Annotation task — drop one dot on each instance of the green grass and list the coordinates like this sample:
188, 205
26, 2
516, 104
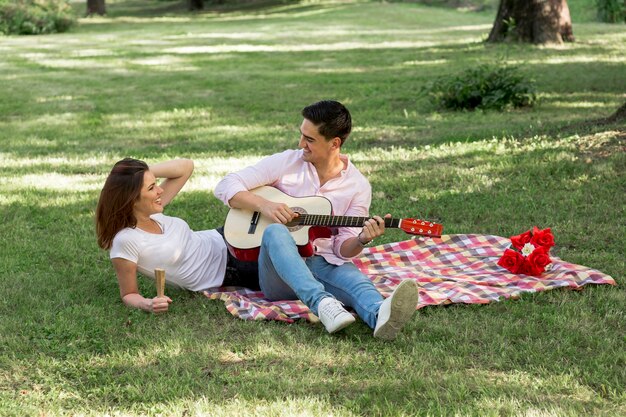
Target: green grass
225, 88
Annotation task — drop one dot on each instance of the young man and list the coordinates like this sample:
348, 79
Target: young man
328, 279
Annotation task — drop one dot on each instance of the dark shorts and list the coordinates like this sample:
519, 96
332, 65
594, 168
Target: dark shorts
240, 273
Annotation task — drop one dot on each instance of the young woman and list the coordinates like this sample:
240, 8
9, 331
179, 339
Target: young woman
131, 224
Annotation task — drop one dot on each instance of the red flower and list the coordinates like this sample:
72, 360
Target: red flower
542, 237
526, 267
538, 260
512, 261
530, 252
520, 240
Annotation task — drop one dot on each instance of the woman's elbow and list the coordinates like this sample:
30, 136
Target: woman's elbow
188, 166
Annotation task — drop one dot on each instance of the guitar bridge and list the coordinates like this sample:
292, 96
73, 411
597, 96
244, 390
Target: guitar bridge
254, 222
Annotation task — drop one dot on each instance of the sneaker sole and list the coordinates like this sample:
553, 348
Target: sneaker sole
403, 305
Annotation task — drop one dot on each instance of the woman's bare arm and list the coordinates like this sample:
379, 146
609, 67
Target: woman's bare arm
127, 278
175, 173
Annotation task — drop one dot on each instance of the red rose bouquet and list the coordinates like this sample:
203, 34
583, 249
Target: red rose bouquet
529, 253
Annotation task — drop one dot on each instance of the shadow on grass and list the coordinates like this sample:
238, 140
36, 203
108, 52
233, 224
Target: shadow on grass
207, 117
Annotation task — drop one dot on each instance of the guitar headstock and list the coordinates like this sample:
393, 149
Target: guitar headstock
421, 227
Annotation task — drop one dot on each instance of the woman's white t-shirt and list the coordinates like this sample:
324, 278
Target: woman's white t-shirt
192, 260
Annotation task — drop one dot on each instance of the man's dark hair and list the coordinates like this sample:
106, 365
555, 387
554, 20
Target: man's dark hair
331, 118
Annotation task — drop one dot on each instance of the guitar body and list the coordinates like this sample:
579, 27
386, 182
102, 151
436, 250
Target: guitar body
244, 241
243, 229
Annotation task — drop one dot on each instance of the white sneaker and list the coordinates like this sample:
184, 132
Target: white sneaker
333, 315
397, 310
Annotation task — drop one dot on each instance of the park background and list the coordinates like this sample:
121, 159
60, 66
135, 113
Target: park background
224, 87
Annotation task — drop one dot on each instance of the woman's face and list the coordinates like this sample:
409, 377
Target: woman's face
149, 201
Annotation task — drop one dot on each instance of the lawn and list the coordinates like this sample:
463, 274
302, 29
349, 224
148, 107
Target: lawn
226, 88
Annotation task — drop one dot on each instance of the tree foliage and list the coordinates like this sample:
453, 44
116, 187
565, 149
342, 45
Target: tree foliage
611, 11
485, 87
33, 17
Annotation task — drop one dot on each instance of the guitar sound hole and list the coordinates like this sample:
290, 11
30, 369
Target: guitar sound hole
294, 225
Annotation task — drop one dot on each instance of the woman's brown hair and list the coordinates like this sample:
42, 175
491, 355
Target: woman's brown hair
117, 199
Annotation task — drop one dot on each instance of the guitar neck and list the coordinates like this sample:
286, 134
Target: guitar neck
339, 221
411, 226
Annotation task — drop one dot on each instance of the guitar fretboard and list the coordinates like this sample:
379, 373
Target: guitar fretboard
338, 221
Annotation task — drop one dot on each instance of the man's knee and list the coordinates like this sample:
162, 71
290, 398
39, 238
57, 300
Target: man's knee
275, 231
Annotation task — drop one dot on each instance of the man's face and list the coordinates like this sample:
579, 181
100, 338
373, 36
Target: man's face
315, 146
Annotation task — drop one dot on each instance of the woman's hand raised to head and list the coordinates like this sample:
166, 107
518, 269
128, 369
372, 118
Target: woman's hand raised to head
175, 173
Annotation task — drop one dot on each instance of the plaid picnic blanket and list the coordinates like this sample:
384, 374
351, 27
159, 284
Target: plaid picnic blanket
450, 269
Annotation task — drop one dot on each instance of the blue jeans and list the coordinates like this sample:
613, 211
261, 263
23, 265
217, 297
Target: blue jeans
284, 275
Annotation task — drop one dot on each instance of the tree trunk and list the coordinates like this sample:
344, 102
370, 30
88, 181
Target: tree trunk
534, 21
195, 5
618, 116
96, 7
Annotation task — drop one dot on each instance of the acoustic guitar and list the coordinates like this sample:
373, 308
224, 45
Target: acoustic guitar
244, 229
